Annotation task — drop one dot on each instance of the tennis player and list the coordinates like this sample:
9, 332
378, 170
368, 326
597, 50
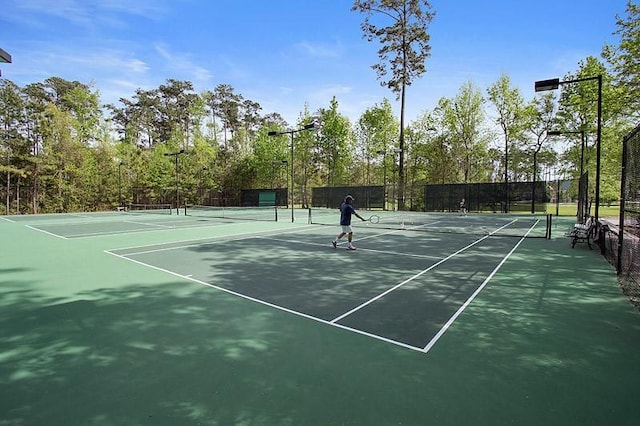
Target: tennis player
463, 207
346, 211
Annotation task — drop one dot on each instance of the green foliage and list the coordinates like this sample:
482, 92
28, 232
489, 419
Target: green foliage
376, 134
334, 146
625, 59
404, 42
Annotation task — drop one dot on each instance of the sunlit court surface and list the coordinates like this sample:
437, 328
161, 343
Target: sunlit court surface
243, 317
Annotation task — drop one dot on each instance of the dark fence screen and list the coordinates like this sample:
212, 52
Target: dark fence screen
366, 197
628, 265
487, 197
263, 197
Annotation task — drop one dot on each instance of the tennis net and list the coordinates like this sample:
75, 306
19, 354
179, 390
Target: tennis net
150, 208
269, 213
503, 225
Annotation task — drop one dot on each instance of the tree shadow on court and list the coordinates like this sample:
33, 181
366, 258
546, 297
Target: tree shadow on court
554, 333
546, 342
178, 353
319, 281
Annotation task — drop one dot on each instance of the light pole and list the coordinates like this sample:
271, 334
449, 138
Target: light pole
120, 164
553, 84
310, 126
176, 155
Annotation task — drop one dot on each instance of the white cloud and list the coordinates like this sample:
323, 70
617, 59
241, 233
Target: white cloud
319, 50
106, 60
83, 13
182, 64
324, 94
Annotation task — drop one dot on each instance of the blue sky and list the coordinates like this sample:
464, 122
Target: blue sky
285, 54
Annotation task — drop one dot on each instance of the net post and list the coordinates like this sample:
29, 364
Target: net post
549, 220
558, 198
275, 208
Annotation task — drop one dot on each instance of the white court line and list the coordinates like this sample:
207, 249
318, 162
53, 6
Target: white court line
148, 224
205, 240
397, 286
72, 220
271, 305
395, 231
422, 256
130, 231
46, 232
140, 230
7, 219
475, 293
82, 215
158, 250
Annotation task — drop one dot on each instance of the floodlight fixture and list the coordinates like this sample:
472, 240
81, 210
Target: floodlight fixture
4, 56
311, 126
544, 85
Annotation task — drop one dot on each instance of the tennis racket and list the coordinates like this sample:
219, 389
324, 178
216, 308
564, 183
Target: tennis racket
374, 219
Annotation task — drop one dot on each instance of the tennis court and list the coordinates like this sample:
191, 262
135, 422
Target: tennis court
152, 318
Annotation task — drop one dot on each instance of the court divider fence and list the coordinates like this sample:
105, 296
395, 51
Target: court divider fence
621, 245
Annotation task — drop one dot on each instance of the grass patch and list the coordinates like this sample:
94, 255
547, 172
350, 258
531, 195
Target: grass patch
571, 209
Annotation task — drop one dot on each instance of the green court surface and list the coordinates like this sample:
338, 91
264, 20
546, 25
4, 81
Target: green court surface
156, 319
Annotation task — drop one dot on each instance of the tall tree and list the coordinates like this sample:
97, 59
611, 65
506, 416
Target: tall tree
625, 58
225, 105
180, 111
376, 131
537, 118
36, 101
421, 134
405, 48
509, 104
64, 155
137, 120
465, 124
84, 105
12, 142
439, 149
335, 144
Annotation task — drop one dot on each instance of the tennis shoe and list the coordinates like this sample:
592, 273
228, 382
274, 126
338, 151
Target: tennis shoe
335, 244
350, 247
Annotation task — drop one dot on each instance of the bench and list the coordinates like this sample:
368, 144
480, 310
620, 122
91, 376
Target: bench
582, 232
